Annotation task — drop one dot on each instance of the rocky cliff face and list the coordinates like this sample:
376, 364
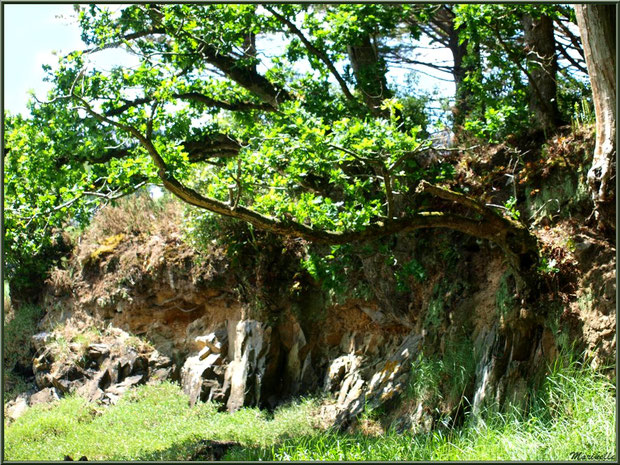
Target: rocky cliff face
153, 308
177, 321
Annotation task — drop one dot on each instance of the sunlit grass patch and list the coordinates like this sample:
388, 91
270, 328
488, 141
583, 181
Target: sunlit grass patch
573, 413
153, 422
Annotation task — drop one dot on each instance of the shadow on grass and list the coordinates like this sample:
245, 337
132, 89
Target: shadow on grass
195, 449
328, 446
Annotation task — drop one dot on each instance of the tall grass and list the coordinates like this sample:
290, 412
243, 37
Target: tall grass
572, 417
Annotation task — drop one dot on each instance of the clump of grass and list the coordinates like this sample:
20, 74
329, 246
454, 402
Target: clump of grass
20, 323
445, 376
425, 379
87, 337
134, 214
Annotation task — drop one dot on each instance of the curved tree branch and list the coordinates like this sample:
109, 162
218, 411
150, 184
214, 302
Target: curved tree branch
197, 97
571, 60
516, 241
243, 75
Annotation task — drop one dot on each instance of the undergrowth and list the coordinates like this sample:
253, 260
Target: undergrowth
19, 326
573, 416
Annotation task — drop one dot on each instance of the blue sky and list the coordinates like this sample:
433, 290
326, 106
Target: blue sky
31, 34
34, 32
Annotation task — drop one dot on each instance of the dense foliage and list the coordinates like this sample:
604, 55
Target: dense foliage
290, 117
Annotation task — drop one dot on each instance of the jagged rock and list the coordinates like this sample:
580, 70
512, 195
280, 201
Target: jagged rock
202, 379
248, 344
91, 390
103, 372
295, 344
217, 341
114, 393
125, 364
41, 367
387, 380
63, 376
44, 396
157, 360
97, 351
373, 344
337, 370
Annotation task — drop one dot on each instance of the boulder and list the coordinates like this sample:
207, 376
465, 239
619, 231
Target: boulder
157, 360
64, 376
91, 390
44, 396
16, 408
97, 351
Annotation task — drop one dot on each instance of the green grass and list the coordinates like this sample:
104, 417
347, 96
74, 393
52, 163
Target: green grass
573, 413
151, 423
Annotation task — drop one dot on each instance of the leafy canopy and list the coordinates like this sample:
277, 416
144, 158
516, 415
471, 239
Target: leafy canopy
278, 115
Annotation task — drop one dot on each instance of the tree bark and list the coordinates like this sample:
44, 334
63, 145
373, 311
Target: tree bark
542, 63
597, 25
369, 71
464, 63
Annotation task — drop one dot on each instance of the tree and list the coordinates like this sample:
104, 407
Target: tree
597, 25
308, 141
543, 65
438, 23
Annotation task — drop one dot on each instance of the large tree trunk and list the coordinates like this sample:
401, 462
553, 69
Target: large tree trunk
542, 64
597, 25
369, 71
465, 62
466, 57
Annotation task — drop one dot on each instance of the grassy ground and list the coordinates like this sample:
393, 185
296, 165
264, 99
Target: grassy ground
573, 414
